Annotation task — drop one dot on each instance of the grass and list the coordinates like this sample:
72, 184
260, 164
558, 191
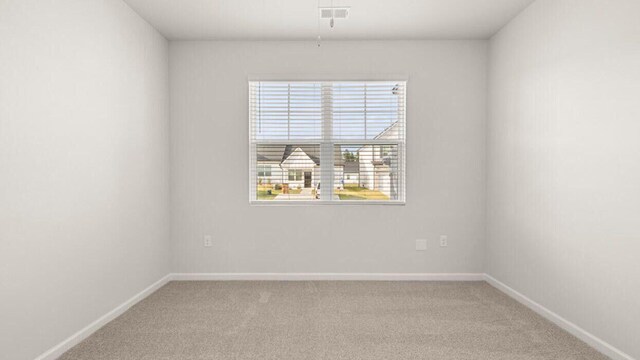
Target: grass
264, 195
354, 192
355, 188
350, 197
262, 192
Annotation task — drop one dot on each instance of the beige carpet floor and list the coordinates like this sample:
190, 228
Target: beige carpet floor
329, 320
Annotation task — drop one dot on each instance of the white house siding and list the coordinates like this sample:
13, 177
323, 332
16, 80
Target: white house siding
390, 134
383, 173
276, 176
299, 160
315, 176
295, 184
337, 176
375, 177
351, 178
383, 180
365, 154
378, 177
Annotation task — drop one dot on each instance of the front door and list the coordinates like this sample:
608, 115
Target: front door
307, 179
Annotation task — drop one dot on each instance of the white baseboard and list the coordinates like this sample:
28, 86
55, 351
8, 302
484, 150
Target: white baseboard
76, 338
329, 276
563, 323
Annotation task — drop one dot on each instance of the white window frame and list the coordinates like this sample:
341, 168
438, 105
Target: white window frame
326, 151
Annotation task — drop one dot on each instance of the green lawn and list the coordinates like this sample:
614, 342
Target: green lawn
354, 192
350, 197
355, 188
264, 195
263, 192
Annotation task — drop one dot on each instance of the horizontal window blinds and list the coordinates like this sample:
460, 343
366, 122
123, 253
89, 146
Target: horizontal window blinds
327, 141
365, 111
286, 111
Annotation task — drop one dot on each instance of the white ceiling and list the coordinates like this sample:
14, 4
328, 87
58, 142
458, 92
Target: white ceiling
298, 19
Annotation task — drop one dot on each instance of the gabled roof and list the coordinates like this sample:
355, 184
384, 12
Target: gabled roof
279, 153
385, 131
270, 153
312, 151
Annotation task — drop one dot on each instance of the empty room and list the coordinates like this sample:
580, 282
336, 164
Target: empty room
319, 179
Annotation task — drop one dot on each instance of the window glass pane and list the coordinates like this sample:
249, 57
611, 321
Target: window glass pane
264, 170
367, 111
287, 172
362, 123
285, 111
366, 172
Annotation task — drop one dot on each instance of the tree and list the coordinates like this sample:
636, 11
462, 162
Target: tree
349, 156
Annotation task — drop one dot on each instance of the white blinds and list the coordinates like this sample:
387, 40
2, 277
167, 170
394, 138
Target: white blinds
286, 111
364, 111
327, 141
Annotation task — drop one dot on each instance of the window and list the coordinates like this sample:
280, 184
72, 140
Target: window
295, 175
348, 136
264, 170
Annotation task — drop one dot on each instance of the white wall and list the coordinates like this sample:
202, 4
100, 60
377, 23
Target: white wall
564, 163
84, 175
446, 161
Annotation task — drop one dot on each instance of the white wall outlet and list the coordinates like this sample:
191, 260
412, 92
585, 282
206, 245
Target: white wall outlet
444, 241
421, 245
208, 241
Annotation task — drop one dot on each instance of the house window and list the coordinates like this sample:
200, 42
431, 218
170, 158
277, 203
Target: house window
295, 175
347, 136
264, 170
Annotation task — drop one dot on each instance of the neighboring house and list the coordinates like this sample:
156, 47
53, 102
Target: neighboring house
297, 166
378, 164
351, 172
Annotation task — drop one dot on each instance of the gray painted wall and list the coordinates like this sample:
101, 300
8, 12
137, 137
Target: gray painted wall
84, 158
445, 161
564, 163
84, 166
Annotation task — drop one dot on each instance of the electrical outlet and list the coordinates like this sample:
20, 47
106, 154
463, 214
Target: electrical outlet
444, 241
421, 245
208, 241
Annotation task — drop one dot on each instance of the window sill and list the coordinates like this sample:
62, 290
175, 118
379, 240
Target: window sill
320, 202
